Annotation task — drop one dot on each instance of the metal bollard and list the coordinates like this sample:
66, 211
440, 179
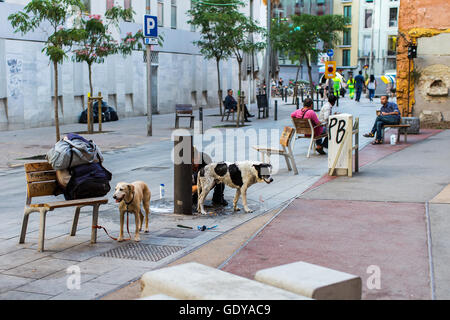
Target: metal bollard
297, 102
276, 110
183, 175
200, 117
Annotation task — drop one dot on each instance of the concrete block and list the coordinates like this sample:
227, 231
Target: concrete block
312, 281
193, 281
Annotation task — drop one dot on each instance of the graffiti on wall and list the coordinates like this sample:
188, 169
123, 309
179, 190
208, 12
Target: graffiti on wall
14, 81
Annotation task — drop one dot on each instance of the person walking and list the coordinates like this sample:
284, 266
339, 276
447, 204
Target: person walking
371, 85
359, 83
336, 86
351, 87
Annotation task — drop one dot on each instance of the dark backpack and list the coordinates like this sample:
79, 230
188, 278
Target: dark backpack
88, 181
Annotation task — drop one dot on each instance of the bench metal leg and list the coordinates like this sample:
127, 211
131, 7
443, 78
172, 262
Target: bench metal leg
23, 233
43, 213
177, 122
310, 147
75, 222
94, 223
291, 157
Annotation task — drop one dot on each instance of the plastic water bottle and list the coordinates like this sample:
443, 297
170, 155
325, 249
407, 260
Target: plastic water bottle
161, 191
393, 139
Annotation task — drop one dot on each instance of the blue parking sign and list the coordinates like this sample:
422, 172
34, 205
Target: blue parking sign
150, 26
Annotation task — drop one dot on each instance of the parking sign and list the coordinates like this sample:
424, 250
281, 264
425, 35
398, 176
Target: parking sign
150, 26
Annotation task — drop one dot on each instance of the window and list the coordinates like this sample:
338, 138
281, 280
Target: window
368, 18
348, 12
87, 6
393, 17
347, 38
109, 4
345, 58
367, 43
173, 14
127, 5
160, 13
392, 45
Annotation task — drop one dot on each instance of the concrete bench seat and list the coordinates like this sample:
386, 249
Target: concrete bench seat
193, 281
312, 281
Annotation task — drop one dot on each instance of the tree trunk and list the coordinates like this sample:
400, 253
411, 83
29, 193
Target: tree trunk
55, 93
219, 90
90, 110
240, 108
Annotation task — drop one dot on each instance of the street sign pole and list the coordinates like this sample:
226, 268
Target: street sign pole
149, 81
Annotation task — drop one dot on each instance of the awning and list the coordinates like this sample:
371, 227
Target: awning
388, 78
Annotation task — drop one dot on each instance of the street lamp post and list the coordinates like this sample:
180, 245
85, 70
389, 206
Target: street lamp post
268, 84
149, 80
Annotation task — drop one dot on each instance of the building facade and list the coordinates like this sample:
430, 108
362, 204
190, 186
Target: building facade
180, 74
423, 83
378, 20
346, 53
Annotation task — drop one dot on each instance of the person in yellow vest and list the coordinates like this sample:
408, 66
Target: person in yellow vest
336, 85
351, 86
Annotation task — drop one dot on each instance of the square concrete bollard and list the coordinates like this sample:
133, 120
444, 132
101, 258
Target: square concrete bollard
193, 281
313, 281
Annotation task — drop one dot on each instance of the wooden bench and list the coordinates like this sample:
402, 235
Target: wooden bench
402, 129
41, 181
184, 111
194, 281
304, 128
227, 112
286, 151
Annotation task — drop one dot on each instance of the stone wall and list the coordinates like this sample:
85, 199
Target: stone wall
419, 20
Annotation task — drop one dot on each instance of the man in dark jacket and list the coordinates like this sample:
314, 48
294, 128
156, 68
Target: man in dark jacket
231, 103
200, 160
359, 83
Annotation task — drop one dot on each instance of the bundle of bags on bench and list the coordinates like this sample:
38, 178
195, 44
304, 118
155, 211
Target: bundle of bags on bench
79, 170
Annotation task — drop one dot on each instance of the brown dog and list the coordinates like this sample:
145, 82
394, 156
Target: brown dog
130, 196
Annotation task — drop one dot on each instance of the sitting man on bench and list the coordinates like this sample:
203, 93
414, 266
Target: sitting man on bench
231, 103
389, 114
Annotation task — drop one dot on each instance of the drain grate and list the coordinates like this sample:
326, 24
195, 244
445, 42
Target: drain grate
140, 251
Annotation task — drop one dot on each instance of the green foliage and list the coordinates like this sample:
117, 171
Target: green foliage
55, 13
300, 36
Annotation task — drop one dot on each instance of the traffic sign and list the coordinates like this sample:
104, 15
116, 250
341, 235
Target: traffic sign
153, 41
150, 26
330, 53
330, 69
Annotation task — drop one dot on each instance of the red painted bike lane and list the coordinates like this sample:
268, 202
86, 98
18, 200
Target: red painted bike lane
357, 237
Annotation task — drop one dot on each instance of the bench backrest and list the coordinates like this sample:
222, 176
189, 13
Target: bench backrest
286, 136
183, 108
303, 126
41, 180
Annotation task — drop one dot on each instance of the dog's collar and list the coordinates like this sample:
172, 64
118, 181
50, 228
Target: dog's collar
128, 203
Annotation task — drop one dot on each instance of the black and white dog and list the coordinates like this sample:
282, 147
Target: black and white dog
238, 175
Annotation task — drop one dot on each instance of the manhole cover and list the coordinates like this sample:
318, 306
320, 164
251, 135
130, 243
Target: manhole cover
140, 251
180, 233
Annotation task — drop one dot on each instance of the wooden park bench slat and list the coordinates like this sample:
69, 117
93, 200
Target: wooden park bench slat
286, 151
184, 111
304, 128
41, 181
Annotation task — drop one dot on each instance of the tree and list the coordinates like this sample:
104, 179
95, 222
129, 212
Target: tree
96, 42
240, 33
55, 13
302, 34
209, 17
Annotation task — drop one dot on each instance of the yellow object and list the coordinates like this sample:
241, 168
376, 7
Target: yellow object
330, 69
